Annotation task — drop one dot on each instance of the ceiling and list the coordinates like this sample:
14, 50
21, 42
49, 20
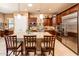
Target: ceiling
36, 7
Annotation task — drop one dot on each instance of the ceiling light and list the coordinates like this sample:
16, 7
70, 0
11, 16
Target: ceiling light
49, 9
30, 5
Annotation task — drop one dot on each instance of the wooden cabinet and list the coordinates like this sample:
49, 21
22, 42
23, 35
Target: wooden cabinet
58, 19
32, 21
66, 12
2, 33
53, 32
47, 22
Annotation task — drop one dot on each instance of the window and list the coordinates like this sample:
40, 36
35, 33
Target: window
11, 23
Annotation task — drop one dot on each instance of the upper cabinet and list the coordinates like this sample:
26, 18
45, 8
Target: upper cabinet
47, 22
58, 19
32, 21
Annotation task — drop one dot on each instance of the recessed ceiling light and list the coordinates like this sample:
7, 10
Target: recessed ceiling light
49, 9
38, 10
30, 5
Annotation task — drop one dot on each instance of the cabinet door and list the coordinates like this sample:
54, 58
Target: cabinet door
32, 21
48, 22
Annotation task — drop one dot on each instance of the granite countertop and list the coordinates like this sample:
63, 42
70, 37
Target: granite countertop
49, 28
